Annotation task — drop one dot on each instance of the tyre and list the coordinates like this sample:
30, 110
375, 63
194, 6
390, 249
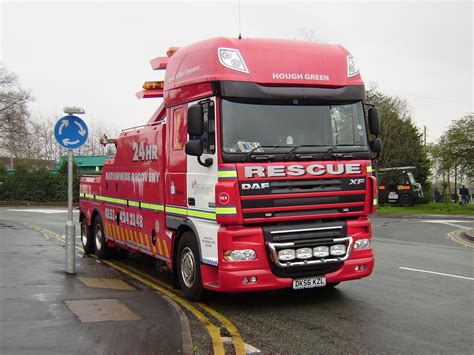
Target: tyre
86, 237
405, 200
101, 248
188, 267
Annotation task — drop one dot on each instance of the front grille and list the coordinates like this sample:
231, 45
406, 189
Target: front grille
308, 235
308, 197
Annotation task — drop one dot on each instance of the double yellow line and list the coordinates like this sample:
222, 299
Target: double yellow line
212, 329
197, 309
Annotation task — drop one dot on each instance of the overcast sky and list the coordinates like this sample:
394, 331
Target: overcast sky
96, 54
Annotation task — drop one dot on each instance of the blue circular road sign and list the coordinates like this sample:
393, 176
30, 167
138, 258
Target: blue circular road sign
71, 132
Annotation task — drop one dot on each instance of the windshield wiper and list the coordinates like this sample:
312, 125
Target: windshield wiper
261, 146
294, 149
331, 149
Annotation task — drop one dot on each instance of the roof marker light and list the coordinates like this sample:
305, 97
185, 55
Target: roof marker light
171, 51
232, 59
153, 85
352, 67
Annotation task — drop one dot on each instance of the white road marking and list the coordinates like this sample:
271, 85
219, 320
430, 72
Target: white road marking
249, 349
437, 273
447, 222
47, 211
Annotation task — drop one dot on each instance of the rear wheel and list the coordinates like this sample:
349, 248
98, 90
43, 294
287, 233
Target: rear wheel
406, 200
101, 248
189, 267
86, 237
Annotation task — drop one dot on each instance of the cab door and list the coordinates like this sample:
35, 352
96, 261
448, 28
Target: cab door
201, 180
175, 186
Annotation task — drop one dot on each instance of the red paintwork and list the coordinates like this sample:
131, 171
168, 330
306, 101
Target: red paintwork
189, 76
149, 94
199, 63
229, 276
159, 63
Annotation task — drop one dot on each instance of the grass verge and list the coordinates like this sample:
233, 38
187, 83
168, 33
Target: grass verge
431, 208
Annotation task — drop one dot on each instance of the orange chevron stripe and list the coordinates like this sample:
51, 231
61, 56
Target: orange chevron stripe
141, 238
159, 246
166, 249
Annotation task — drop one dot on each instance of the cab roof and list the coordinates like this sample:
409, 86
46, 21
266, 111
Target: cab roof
267, 61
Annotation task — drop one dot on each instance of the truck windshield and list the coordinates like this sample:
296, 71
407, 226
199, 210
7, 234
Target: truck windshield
316, 128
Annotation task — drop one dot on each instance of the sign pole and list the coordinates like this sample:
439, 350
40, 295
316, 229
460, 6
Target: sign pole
70, 226
70, 133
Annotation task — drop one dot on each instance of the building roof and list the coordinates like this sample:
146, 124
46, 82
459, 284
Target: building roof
87, 160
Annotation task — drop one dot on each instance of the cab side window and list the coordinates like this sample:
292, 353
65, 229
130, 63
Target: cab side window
179, 132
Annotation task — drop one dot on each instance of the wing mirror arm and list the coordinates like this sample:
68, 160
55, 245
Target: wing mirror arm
207, 162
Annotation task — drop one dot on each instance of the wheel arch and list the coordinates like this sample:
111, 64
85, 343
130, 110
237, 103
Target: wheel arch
181, 226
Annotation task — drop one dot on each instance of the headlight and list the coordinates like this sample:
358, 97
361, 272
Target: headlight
240, 255
362, 244
232, 59
304, 253
286, 255
337, 250
320, 252
352, 67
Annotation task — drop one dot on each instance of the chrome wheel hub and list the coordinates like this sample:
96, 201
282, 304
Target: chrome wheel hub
83, 234
98, 238
188, 267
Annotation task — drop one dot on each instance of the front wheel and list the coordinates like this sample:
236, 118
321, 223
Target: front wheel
406, 200
86, 237
189, 267
101, 248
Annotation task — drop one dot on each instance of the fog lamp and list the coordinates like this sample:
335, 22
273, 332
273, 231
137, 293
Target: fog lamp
231, 58
352, 67
321, 252
240, 255
304, 253
362, 244
338, 249
286, 255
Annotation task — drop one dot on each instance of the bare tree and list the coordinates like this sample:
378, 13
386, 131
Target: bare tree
307, 34
14, 117
93, 145
43, 131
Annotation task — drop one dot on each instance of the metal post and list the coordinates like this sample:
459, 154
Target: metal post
70, 226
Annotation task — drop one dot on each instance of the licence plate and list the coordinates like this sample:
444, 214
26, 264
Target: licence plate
309, 282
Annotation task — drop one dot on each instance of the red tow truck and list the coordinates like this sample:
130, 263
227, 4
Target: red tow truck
255, 173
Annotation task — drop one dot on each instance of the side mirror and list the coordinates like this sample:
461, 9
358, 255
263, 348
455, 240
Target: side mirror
374, 121
376, 145
194, 148
195, 121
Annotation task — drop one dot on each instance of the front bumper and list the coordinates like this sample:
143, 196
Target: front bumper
233, 281
237, 276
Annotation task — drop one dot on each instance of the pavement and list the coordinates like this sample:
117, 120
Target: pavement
43, 310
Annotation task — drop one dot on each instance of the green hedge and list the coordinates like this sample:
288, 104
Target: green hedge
37, 186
